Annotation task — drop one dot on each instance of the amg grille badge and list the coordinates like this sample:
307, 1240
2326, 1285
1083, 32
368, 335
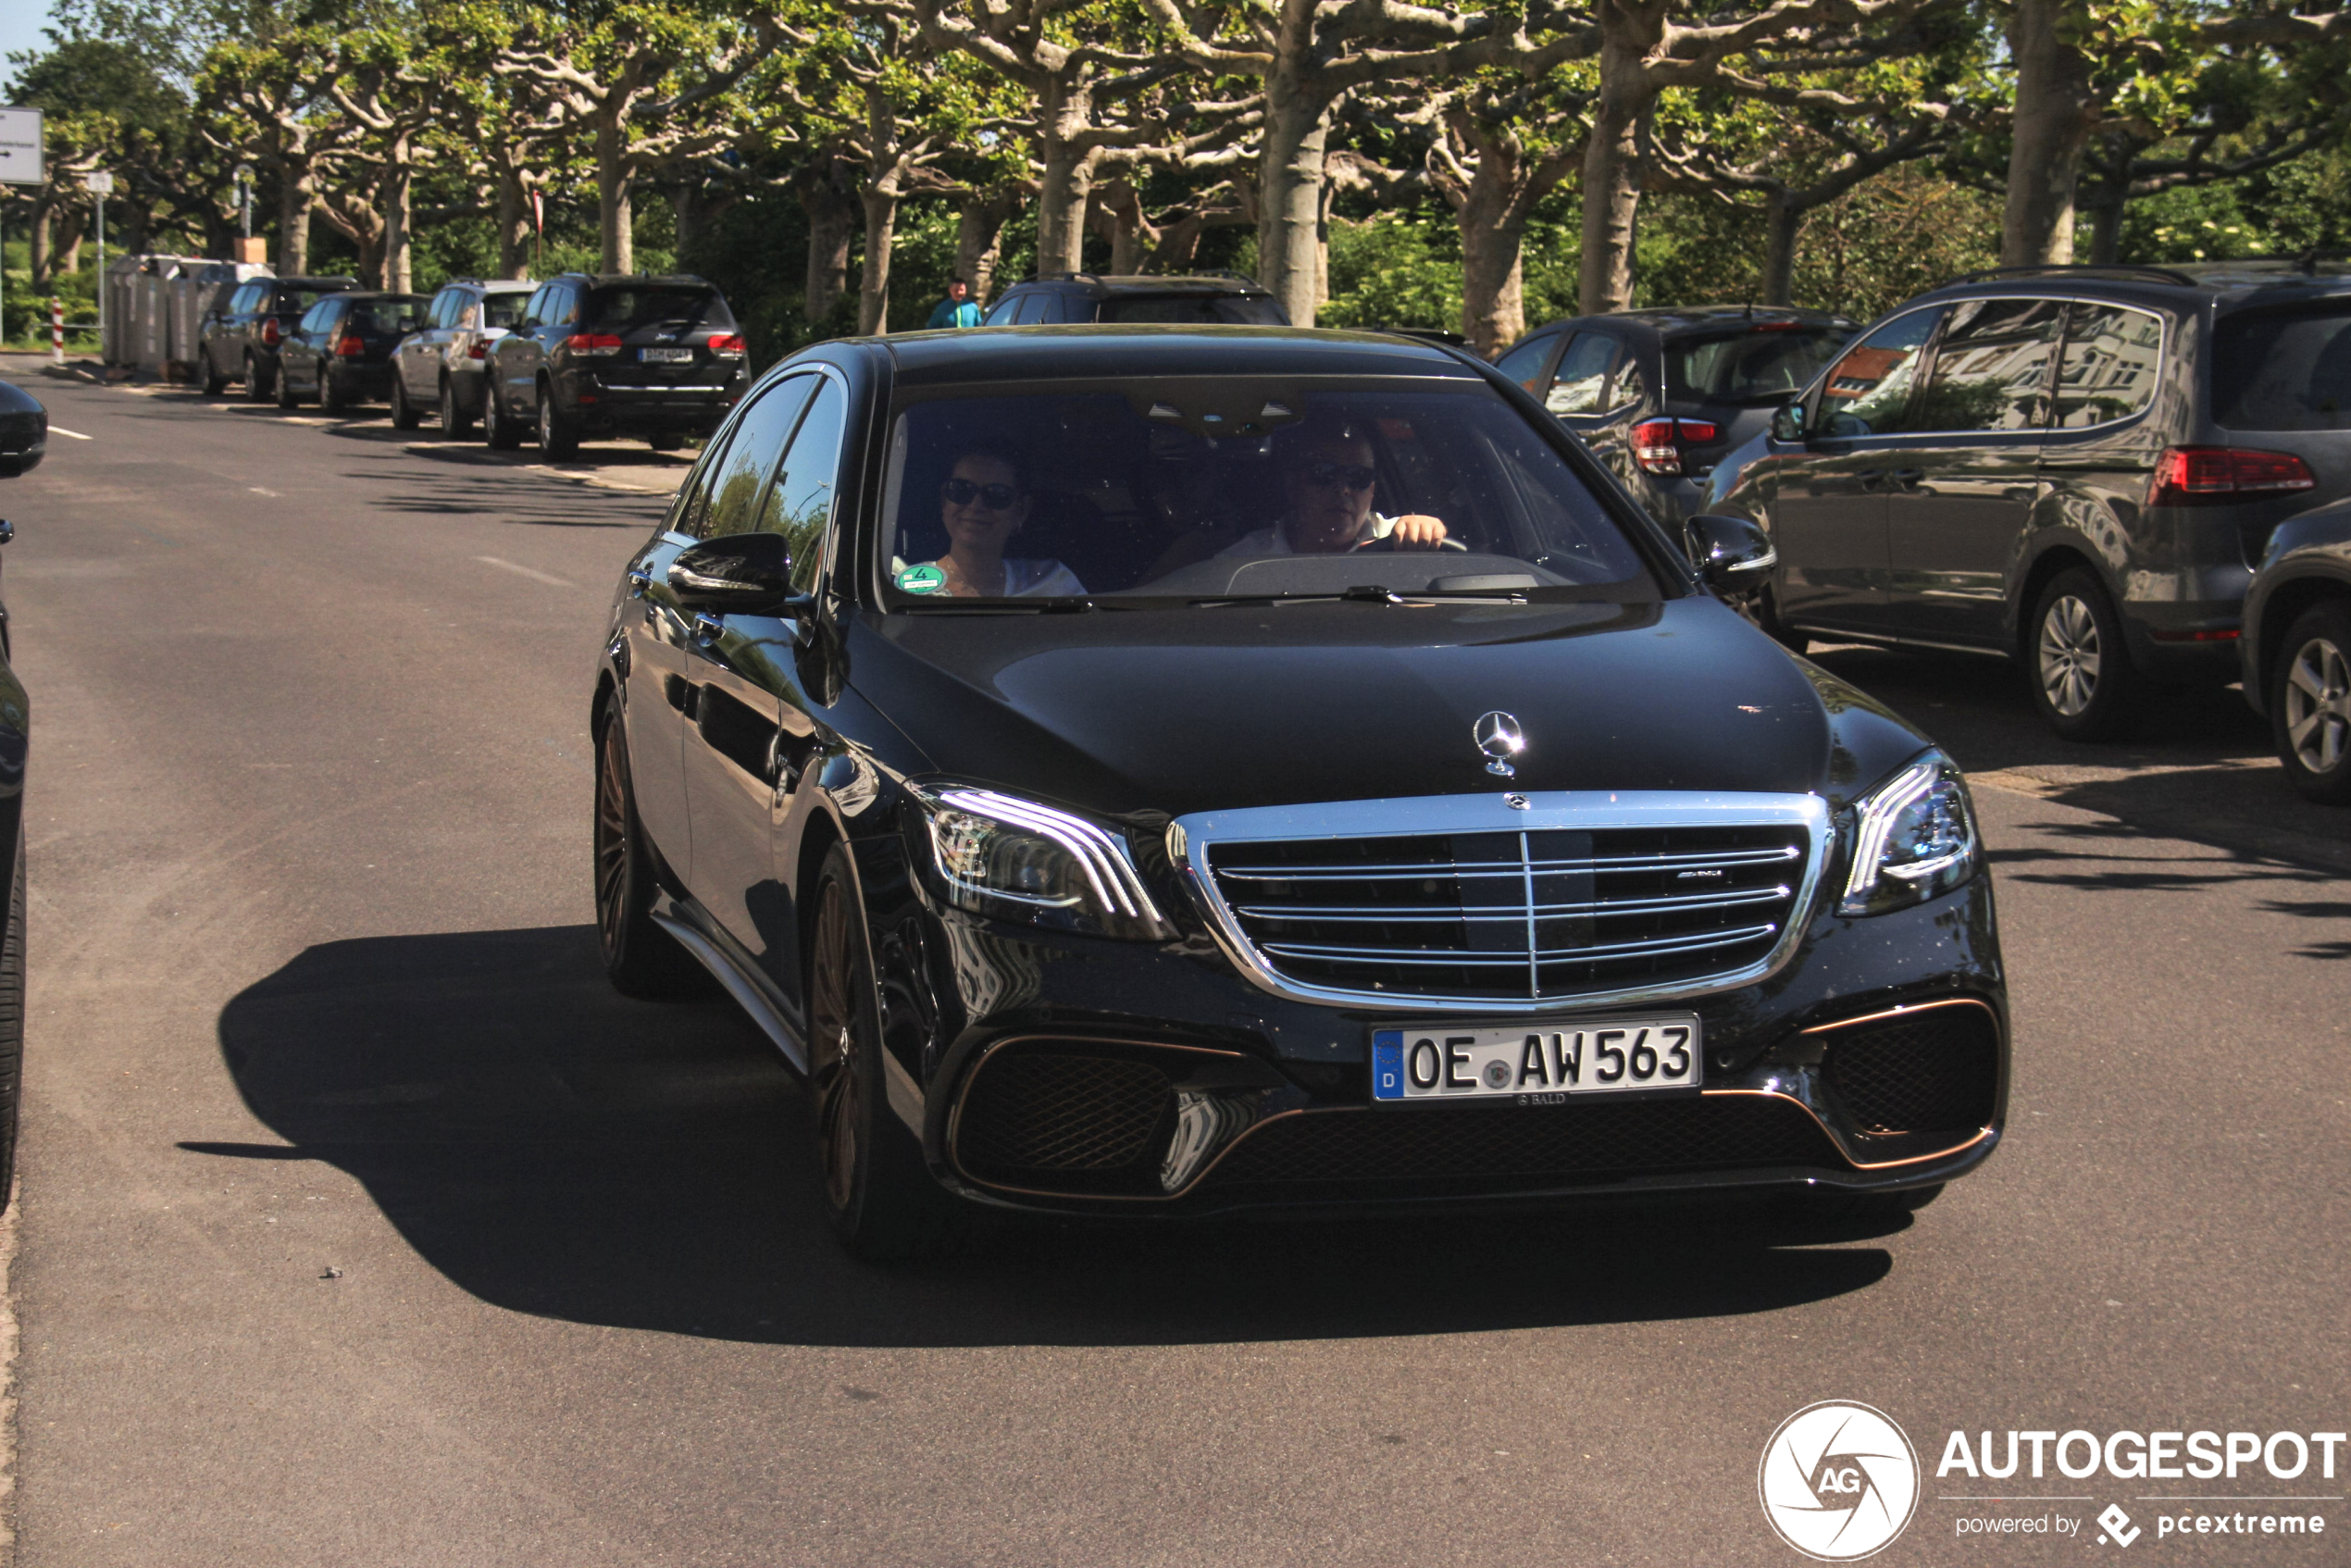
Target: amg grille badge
1498, 735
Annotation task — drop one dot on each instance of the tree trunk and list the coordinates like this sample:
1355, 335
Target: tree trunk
2054, 108
831, 224
514, 225
687, 204
1783, 220
294, 199
400, 175
979, 241
1613, 160
72, 222
40, 242
2110, 195
613, 221
881, 230
1289, 209
1493, 226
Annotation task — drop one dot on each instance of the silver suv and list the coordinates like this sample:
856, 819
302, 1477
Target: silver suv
441, 366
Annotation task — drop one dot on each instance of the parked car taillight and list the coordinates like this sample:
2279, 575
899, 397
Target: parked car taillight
480, 349
1657, 444
592, 345
727, 345
349, 346
269, 331
2185, 475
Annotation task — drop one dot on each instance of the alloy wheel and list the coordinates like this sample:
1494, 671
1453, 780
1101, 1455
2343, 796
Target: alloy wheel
612, 844
832, 1070
2318, 705
2069, 655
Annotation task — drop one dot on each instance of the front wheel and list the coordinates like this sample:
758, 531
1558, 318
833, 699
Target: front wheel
558, 433
404, 413
882, 1202
2083, 681
2310, 704
640, 959
499, 432
215, 383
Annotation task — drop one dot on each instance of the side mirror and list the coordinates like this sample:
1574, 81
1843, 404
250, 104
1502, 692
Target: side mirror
736, 573
1731, 554
1787, 422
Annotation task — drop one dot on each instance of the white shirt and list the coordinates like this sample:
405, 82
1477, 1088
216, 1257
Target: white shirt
1274, 540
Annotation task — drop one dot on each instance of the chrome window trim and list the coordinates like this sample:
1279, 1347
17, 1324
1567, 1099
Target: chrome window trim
1190, 837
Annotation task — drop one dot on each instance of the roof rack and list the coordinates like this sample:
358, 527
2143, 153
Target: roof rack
2073, 269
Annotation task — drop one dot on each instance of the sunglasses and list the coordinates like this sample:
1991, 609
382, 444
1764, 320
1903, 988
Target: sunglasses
995, 497
1351, 476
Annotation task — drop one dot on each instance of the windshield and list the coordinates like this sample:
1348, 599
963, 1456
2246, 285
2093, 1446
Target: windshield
1749, 367
1197, 489
1241, 310
618, 309
2279, 370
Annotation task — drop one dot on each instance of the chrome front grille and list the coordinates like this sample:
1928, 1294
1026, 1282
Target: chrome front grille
1564, 900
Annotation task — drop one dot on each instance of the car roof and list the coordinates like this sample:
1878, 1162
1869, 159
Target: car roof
380, 294
492, 285
1020, 354
2229, 285
609, 280
1674, 320
1103, 285
317, 283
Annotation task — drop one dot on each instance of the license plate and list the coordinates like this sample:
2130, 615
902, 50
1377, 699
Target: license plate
1535, 1063
666, 355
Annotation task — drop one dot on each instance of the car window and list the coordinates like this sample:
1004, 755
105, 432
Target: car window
1525, 363
315, 319
1033, 308
390, 316
800, 501
1992, 369
249, 298
1207, 487
2110, 367
1238, 310
501, 309
447, 305
1580, 384
624, 308
1000, 314
297, 299
2283, 370
751, 455
1868, 389
1754, 365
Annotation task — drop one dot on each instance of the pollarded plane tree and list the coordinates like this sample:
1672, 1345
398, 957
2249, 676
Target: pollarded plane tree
1505, 144
383, 86
265, 99
1157, 195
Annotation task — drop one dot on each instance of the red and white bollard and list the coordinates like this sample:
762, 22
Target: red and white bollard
56, 330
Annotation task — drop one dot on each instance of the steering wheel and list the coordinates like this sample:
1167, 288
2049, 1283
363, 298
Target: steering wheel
1387, 546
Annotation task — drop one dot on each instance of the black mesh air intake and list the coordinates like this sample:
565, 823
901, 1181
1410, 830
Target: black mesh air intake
1935, 1071
1035, 1114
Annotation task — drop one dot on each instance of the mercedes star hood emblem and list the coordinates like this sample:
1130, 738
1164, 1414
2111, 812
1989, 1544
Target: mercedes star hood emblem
1498, 736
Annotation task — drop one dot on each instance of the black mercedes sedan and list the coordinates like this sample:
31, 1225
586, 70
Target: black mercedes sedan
1168, 771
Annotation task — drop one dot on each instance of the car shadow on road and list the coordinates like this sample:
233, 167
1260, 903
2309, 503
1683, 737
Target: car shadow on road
554, 1148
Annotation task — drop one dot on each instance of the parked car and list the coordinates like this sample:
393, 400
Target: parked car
1195, 299
1660, 395
610, 355
443, 365
341, 351
2296, 647
2074, 468
1172, 772
24, 434
240, 341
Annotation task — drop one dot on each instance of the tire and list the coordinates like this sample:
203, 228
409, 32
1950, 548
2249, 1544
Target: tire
882, 1202
498, 430
215, 383
2083, 679
259, 386
667, 441
2309, 702
331, 397
11, 1027
558, 435
640, 959
404, 413
455, 422
286, 396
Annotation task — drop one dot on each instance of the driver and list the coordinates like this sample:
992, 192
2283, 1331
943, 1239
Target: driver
1328, 474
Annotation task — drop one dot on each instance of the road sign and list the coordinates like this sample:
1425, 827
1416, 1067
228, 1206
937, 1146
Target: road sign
98, 184
21, 162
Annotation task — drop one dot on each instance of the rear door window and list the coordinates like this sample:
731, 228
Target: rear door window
2283, 370
2108, 369
751, 455
1991, 369
1580, 385
1035, 309
1868, 389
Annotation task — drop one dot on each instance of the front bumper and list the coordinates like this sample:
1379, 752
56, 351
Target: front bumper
1140, 1080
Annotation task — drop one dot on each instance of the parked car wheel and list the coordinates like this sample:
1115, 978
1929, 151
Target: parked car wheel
667, 441
640, 959
455, 422
882, 1202
331, 399
287, 397
2310, 704
2083, 681
215, 383
499, 432
558, 435
258, 384
404, 413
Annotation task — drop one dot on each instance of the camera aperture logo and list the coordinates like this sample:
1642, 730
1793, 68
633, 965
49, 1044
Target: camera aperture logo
1839, 1481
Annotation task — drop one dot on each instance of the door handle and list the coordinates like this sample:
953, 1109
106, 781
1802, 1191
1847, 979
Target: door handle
708, 628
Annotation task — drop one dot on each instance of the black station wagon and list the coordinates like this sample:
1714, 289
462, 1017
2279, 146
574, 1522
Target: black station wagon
1159, 771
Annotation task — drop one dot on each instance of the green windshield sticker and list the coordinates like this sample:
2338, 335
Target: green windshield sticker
922, 580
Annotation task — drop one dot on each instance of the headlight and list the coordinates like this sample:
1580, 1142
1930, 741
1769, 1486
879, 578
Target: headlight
1916, 839
1012, 859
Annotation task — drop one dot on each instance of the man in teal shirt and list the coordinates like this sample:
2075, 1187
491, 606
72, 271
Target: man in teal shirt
958, 309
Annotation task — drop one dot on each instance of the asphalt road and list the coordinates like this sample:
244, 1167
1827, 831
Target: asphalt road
361, 1225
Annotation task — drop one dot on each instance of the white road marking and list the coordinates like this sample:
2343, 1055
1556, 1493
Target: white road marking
525, 571
259, 491
61, 431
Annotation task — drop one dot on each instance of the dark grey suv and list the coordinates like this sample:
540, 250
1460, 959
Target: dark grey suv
1206, 299
2077, 468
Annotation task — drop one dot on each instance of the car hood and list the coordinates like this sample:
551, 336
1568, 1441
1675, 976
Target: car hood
1178, 711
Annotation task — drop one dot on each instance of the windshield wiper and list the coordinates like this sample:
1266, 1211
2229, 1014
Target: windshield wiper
1369, 593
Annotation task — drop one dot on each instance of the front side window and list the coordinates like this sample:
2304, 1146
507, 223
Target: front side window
1991, 369
800, 501
2283, 370
1750, 368
2108, 370
1197, 489
1034, 309
1580, 385
1868, 389
751, 455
